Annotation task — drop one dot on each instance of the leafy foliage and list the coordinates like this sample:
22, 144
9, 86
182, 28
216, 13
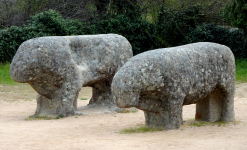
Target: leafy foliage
17, 12
11, 38
128, 8
51, 22
172, 26
48, 23
140, 33
236, 14
213, 33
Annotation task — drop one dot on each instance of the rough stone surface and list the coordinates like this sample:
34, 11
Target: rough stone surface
161, 81
58, 66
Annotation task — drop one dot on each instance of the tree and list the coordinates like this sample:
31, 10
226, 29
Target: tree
101, 6
236, 14
17, 12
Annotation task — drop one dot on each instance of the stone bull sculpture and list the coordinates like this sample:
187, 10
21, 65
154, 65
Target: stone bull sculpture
161, 81
57, 67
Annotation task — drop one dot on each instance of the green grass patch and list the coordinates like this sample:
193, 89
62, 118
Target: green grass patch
218, 123
203, 123
241, 70
192, 119
141, 129
30, 118
127, 110
5, 75
59, 117
83, 99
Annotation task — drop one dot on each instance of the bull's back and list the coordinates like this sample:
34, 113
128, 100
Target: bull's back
200, 68
192, 70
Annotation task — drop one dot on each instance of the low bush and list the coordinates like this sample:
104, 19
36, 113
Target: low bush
140, 33
213, 33
175, 28
172, 26
48, 23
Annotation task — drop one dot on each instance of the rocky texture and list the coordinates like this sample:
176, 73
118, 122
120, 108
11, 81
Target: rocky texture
161, 81
58, 66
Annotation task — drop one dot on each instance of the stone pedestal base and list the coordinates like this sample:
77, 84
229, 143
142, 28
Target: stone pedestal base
101, 102
217, 106
102, 95
54, 107
161, 120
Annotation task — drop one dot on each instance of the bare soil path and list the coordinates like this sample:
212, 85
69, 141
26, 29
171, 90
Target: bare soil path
101, 131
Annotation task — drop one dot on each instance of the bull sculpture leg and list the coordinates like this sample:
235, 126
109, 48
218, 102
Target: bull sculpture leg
216, 106
101, 94
227, 114
170, 116
63, 100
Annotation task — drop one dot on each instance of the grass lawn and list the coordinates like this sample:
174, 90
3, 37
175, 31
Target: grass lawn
241, 72
4, 74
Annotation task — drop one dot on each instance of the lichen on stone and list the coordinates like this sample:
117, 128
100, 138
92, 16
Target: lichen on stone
57, 67
163, 80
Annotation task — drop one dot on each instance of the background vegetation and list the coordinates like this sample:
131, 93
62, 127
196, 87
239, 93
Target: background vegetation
4, 74
241, 70
147, 24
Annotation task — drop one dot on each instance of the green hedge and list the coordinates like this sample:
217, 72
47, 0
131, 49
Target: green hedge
175, 28
213, 33
172, 28
48, 23
140, 33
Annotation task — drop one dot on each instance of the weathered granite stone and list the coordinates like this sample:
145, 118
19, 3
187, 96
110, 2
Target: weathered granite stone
161, 81
57, 67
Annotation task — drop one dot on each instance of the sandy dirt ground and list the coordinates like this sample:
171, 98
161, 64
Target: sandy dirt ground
101, 131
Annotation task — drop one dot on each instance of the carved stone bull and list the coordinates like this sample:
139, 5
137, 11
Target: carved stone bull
161, 81
57, 67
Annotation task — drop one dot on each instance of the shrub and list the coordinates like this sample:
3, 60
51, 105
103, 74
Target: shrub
11, 38
130, 8
213, 33
140, 33
48, 23
172, 26
51, 22
236, 14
